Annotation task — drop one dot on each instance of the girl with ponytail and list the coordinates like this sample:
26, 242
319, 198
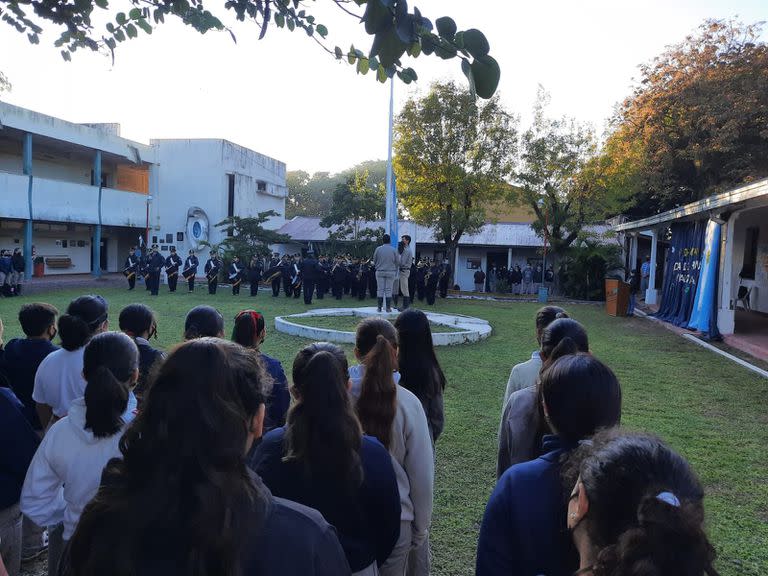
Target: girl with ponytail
523, 529
636, 508
66, 470
396, 417
59, 378
321, 459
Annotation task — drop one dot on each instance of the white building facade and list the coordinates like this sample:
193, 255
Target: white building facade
85, 195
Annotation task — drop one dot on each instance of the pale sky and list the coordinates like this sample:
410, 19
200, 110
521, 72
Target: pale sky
284, 97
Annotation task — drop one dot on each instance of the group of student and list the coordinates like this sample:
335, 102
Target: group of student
514, 280
203, 461
12, 268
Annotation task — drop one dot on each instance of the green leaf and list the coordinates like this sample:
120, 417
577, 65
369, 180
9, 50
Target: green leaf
407, 75
458, 40
390, 48
144, 25
373, 63
486, 73
351, 56
446, 27
119, 35
279, 20
322, 30
101, 3
376, 18
134, 14
338, 53
131, 31
291, 24
66, 55
466, 67
120, 18
476, 43
110, 27
362, 66
381, 74
414, 50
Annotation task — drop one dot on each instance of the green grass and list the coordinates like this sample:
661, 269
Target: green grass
349, 323
711, 410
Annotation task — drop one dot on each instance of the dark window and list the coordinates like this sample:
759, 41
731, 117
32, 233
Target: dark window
169, 238
154, 239
261, 186
104, 176
179, 236
750, 254
230, 198
63, 243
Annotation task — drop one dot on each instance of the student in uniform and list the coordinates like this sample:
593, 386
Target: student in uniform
396, 418
235, 275
190, 270
59, 378
182, 500
321, 459
5, 273
139, 323
22, 356
432, 281
172, 266
255, 270
636, 507
338, 274
131, 268
275, 275
17, 270
212, 267
250, 331
66, 470
445, 278
419, 369
524, 527
323, 281
309, 274
287, 275
386, 261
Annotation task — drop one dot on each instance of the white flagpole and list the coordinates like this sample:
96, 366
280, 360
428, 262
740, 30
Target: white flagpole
391, 206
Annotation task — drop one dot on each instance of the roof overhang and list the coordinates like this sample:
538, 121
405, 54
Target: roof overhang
714, 205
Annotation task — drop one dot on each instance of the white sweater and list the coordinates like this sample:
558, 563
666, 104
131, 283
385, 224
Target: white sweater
65, 472
412, 456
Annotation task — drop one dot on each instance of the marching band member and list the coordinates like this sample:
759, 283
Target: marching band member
172, 265
131, 267
190, 269
212, 267
235, 275
156, 263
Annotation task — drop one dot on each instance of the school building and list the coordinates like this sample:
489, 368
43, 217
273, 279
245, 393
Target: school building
76, 197
709, 265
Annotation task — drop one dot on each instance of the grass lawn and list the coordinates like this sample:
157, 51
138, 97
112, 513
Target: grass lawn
349, 323
711, 410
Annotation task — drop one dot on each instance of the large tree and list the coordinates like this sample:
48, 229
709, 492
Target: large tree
553, 178
453, 155
395, 30
697, 122
247, 236
355, 202
312, 195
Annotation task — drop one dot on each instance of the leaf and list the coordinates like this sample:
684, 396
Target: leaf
414, 50
390, 49
134, 14
290, 24
476, 43
66, 55
373, 63
351, 56
120, 18
322, 30
408, 75
381, 74
362, 66
119, 35
101, 3
279, 20
466, 67
144, 25
338, 53
376, 17
131, 31
446, 27
486, 73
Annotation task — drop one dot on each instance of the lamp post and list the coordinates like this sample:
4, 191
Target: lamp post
146, 231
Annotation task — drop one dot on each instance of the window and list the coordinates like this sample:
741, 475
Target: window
474, 263
750, 254
230, 198
179, 236
261, 186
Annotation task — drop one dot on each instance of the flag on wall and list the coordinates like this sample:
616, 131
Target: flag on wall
704, 314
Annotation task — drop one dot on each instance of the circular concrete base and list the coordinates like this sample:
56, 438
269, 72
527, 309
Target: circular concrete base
470, 329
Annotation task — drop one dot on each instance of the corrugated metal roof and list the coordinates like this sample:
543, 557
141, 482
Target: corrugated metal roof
308, 229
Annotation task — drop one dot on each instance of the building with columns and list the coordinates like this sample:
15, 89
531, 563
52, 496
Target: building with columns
741, 296
80, 195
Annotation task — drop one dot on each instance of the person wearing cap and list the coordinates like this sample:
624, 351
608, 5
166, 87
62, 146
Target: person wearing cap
235, 275
156, 263
172, 265
212, 267
310, 271
190, 269
131, 267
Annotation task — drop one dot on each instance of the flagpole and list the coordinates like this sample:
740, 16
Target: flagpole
391, 201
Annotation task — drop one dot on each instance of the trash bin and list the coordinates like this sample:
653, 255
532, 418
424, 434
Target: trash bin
543, 294
38, 268
616, 297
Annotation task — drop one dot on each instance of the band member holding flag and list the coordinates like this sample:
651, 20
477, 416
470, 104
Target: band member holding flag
235, 275
212, 267
172, 265
131, 267
156, 263
190, 269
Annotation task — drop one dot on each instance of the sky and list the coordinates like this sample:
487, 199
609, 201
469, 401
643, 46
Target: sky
286, 98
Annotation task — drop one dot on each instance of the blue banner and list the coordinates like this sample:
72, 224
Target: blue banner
703, 316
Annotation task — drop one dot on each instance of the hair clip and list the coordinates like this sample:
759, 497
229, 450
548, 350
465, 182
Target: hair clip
668, 498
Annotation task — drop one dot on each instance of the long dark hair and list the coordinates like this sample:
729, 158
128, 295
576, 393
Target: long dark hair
559, 330
545, 316
203, 321
83, 318
248, 325
375, 341
109, 361
581, 395
646, 509
137, 319
419, 369
183, 473
322, 430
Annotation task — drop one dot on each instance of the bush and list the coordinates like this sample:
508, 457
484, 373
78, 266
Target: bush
583, 269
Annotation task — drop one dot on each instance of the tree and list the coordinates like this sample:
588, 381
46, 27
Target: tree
697, 122
313, 195
395, 30
5, 84
555, 179
355, 201
247, 236
453, 155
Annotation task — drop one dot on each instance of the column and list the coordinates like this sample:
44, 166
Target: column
633, 252
509, 258
456, 268
27, 162
651, 294
97, 234
726, 315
